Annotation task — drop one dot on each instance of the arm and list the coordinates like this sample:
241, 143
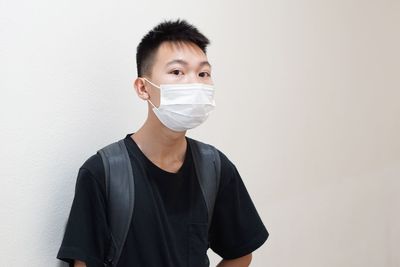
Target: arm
238, 262
78, 263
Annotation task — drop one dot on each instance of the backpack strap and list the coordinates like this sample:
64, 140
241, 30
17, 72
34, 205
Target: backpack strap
120, 188
120, 192
208, 169
207, 164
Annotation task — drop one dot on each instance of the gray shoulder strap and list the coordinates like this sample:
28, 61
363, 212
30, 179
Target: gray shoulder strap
120, 195
121, 192
208, 167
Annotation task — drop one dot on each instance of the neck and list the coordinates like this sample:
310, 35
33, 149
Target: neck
158, 142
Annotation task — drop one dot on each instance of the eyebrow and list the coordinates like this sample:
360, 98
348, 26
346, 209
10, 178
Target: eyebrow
183, 62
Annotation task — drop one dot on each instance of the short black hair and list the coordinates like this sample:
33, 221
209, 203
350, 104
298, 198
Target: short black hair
167, 31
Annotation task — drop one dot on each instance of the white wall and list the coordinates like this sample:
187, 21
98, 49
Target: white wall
307, 108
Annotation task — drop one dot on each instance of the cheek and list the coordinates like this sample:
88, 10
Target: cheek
155, 97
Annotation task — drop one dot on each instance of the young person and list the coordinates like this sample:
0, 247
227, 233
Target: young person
169, 227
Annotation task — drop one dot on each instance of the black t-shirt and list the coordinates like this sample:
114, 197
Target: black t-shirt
169, 225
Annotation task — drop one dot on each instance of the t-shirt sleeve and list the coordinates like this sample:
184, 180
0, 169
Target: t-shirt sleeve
236, 227
86, 233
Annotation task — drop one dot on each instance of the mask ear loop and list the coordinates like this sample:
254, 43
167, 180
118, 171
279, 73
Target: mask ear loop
154, 86
152, 83
152, 104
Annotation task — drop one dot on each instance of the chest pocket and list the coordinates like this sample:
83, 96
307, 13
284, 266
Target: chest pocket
198, 245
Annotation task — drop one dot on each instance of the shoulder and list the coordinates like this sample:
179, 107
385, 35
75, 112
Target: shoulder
222, 156
228, 168
93, 169
94, 164
229, 172
225, 161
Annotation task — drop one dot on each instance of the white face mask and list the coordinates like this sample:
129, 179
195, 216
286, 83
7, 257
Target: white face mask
184, 106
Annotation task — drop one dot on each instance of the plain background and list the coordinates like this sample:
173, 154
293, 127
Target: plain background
307, 109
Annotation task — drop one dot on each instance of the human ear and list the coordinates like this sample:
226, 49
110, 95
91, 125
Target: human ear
140, 88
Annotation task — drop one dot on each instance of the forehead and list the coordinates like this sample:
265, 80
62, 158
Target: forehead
186, 51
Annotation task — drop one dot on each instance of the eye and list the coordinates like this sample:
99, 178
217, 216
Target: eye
176, 72
204, 74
